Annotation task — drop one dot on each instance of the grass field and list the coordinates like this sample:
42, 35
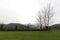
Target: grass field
30, 35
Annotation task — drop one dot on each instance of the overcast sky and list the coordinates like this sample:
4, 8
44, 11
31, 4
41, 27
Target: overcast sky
25, 11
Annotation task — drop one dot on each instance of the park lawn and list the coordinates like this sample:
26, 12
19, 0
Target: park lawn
30, 35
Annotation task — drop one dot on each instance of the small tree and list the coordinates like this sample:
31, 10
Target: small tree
16, 27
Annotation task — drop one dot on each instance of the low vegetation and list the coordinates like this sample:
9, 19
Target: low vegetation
30, 35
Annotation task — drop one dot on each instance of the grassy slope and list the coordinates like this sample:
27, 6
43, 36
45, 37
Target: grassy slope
30, 35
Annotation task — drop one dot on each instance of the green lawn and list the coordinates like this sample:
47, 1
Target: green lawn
30, 35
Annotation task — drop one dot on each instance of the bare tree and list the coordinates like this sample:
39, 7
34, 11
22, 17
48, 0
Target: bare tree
39, 20
47, 14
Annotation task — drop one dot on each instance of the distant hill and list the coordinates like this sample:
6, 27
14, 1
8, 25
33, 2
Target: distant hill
55, 26
14, 26
17, 26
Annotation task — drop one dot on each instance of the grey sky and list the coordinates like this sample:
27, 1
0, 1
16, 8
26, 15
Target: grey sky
24, 11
